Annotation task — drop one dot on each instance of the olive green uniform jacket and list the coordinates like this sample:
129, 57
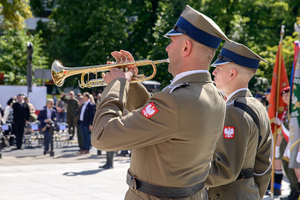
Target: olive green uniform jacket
173, 147
72, 106
240, 152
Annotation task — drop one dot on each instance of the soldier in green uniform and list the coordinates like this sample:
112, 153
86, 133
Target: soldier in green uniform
173, 133
241, 166
72, 109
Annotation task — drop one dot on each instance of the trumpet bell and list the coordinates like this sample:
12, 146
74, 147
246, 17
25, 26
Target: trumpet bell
57, 73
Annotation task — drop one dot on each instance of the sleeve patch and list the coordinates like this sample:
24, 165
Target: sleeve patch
228, 132
149, 110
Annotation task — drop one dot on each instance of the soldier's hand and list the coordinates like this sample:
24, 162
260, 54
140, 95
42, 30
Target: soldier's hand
125, 57
129, 58
121, 57
116, 73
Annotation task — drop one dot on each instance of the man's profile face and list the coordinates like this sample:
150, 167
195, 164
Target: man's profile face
221, 76
173, 50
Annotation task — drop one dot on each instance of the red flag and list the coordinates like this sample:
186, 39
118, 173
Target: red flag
279, 81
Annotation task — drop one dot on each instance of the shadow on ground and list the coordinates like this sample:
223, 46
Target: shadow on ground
83, 173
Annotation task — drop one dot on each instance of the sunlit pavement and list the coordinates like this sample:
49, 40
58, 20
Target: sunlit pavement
65, 176
27, 175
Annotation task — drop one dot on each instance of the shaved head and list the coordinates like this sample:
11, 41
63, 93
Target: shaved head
204, 50
230, 77
244, 73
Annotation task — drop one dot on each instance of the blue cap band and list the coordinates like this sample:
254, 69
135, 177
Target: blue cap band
197, 34
240, 60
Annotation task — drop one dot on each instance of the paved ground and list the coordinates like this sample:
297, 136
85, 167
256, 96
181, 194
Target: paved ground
29, 175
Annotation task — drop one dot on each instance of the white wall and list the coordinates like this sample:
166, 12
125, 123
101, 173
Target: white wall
37, 97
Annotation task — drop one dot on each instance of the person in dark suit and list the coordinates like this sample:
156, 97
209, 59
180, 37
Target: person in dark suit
47, 117
79, 136
86, 118
21, 115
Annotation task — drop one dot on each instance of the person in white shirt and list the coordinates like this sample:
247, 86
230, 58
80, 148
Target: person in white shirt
85, 121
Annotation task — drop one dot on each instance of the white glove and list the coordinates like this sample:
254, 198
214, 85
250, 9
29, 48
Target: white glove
298, 157
277, 121
277, 153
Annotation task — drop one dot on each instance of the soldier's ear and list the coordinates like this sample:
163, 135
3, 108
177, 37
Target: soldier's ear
187, 47
234, 73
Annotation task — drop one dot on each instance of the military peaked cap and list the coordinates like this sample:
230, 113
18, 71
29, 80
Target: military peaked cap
199, 27
239, 54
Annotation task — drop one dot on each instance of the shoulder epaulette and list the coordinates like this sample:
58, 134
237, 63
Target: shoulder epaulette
178, 86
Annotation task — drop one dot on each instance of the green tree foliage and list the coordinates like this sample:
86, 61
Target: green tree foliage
15, 12
257, 24
85, 32
13, 42
13, 55
38, 7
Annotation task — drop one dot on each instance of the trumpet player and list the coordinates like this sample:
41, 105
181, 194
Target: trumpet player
173, 133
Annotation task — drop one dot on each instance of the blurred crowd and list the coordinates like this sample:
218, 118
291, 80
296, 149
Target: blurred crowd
76, 112
70, 109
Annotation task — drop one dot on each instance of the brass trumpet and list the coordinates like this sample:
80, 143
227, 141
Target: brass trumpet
60, 73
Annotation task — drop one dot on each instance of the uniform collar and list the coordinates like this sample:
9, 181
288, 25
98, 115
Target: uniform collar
183, 74
242, 92
195, 76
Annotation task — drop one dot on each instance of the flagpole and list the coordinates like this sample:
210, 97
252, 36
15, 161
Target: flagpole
277, 104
